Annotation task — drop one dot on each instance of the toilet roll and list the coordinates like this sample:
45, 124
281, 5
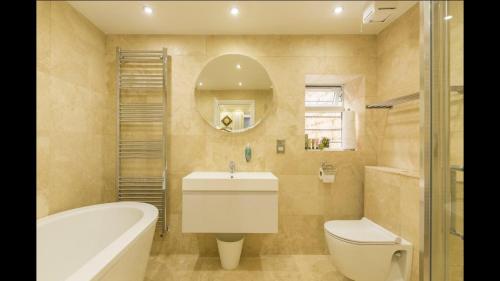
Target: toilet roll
326, 177
348, 130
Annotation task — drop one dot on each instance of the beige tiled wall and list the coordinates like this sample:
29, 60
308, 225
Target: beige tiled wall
391, 195
398, 58
73, 129
304, 202
391, 200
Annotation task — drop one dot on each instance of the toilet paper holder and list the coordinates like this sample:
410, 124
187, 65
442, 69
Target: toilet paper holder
327, 172
328, 168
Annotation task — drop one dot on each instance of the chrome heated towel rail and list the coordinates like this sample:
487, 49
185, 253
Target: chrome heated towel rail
141, 168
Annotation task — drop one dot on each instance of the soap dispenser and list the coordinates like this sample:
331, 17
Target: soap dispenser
248, 152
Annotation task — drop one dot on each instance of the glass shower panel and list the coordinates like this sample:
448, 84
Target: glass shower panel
442, 141
454, 238
447, 141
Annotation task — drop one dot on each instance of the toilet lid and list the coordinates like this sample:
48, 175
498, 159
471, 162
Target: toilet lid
362, 231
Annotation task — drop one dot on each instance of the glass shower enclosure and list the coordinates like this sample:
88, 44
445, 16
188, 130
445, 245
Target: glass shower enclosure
442, 141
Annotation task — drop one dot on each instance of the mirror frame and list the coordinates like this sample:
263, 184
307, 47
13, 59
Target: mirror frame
264, 116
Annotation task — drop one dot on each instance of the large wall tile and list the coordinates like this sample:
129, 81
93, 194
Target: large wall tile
398, 74
72, 128
392, 200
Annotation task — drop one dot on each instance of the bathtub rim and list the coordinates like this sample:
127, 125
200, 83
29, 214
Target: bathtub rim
105, 259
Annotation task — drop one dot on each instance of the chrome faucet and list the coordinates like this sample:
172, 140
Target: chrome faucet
232, 166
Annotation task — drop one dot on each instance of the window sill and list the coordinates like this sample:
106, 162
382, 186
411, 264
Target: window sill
330, 150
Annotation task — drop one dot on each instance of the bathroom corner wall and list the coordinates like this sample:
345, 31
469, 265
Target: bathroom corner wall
391, 200
74, 164
398, 74
391, 195
193, 145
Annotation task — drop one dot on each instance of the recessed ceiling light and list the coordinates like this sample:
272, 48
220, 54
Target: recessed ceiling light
338, 10
201, 83
240, 84
148, 10
238, 66
235, 11
448, 17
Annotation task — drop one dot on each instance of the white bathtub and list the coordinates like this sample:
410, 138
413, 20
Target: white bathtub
100, 242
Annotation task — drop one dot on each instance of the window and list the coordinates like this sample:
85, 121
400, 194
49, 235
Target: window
240, 113
323, 114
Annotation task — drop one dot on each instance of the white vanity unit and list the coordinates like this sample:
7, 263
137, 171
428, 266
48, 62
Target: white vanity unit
221, 202
230, 203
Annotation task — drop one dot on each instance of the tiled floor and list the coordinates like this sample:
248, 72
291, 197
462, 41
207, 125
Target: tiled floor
265, 268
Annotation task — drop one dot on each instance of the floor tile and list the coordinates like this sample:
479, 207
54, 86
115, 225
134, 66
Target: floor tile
263, 268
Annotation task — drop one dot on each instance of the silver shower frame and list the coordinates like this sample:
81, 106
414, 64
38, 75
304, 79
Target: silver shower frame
435, 174
425, 142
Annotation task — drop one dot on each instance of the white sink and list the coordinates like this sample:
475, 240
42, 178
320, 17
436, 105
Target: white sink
221, 202
225, 181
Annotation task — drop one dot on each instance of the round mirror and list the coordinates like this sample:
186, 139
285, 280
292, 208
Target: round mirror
233, 93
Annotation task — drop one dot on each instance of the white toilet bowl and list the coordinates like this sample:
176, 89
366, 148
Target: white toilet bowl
364, 251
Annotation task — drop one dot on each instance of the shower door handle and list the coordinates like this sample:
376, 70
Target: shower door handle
453, 190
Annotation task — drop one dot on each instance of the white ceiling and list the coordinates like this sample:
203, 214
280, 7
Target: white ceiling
213, 17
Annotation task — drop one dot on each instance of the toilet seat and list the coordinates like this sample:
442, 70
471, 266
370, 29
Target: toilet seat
361, 232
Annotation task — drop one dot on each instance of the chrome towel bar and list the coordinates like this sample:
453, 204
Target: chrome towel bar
141, 75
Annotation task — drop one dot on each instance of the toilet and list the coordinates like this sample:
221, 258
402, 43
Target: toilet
365, 251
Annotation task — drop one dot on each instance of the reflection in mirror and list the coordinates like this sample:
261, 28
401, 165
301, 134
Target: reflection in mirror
233, 93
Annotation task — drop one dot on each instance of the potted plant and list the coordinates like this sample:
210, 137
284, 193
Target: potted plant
325, 142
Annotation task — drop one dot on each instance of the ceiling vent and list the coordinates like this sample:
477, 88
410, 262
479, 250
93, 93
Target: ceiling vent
379, 11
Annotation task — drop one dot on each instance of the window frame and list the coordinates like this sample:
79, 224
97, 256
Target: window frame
325, 109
